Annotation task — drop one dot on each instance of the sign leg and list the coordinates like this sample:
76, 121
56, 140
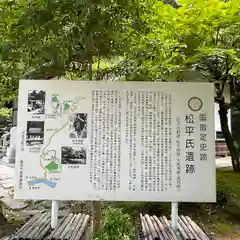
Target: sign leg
174, 215
96, 212
54, 216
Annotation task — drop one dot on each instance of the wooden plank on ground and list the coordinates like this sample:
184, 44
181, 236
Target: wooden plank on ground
70, 226
160, 228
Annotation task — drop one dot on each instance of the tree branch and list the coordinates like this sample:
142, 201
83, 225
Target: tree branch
46, 72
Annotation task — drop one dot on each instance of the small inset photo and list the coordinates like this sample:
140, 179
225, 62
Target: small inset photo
35, 133
73, 155
78, 126
36, 102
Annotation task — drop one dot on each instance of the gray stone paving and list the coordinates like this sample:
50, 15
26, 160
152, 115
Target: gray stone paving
6, 183
6, 178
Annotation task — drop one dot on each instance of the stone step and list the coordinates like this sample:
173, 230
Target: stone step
5, 177
3, 193
7, 185
14, 205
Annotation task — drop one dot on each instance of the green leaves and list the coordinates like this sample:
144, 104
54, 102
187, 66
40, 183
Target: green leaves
151, 40
116, 225
65, 33
202, 35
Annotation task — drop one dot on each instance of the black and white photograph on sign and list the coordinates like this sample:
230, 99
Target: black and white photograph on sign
35, 133
73, 155
78, 126
36, 101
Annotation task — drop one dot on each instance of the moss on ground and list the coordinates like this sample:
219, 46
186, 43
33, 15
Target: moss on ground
225, 219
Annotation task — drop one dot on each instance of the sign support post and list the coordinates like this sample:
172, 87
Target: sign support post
174, 215
54, 215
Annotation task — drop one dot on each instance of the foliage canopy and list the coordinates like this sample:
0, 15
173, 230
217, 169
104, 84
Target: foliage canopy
134, 40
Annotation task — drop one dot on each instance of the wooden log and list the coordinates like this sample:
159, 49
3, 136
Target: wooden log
25, 226
161, 227
150, 227
89, 230
165, 228
157, 229
83, 227
25, 221
45, 231
144, 230
172, 232
57, 228
73, 226
197, 229
67, 226
190, 228
78, 226
27, 232
61, 227
181, 231
187, 231
39, 227
148, 235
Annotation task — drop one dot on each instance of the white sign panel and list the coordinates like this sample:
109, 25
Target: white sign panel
130, 141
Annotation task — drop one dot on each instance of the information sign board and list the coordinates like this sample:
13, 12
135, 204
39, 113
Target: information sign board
116, 141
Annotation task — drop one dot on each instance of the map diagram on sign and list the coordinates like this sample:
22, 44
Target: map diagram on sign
49, 162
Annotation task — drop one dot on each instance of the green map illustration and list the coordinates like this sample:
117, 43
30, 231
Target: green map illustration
48, 157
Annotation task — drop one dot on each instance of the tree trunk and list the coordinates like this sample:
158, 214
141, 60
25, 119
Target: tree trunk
223, 111
97, 216
96, 205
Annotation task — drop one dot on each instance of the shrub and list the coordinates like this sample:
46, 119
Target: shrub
5, 114
116, 225
151, 208
224, 191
